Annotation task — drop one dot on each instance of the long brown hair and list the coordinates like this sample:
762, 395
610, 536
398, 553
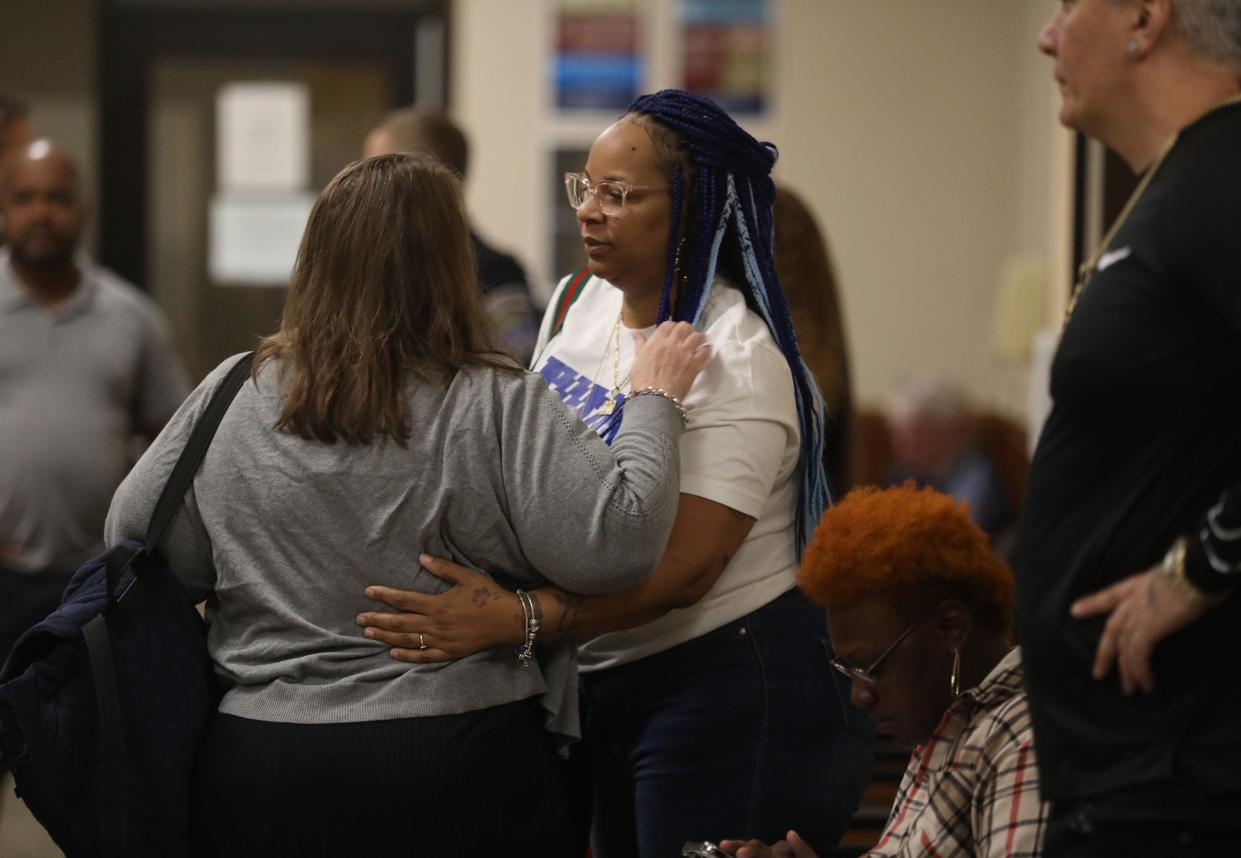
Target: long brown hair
808, 277
384, 286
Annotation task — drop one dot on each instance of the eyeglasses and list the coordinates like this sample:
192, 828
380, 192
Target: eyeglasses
610, 196
866, 675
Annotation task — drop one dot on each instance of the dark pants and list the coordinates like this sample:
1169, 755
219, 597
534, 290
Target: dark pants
483, 783
743, 732
1161, 820
25, 599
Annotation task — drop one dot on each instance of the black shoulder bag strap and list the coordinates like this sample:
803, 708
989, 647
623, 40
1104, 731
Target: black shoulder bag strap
98, 632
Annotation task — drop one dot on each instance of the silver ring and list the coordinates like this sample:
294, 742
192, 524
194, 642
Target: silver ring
422, 641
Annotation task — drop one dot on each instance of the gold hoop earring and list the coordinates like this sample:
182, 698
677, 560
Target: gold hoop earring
954, 680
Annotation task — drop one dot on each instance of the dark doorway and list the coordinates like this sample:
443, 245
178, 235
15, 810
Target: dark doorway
161, 68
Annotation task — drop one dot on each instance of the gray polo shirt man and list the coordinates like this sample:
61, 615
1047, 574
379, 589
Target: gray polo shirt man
76, 385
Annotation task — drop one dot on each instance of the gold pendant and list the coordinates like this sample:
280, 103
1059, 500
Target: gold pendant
608, 406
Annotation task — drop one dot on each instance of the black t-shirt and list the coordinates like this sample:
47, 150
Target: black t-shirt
507, 299
1144, 434
496, 268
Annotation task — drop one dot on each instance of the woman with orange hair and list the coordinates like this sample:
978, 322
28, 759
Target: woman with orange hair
920, 616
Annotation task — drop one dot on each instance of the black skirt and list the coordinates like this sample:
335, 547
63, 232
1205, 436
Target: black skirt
483, 783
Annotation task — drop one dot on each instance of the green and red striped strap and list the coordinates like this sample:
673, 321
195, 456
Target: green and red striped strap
568, 295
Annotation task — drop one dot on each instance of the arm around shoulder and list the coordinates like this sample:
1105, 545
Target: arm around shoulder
590, 518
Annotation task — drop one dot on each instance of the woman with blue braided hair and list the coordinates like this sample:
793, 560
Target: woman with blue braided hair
708, 704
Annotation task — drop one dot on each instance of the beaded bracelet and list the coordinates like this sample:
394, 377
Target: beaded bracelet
658, 391
533, 614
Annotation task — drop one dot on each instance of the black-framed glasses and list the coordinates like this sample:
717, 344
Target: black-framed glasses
866, 675
610, 196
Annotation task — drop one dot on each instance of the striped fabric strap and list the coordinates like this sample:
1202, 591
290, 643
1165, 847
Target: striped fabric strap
1213, 560
568, 295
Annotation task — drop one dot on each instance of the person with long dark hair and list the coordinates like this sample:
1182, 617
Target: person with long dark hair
380, 424
709, 706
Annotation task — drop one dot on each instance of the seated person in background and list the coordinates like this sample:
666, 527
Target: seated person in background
506, 294
920, 614
933, 439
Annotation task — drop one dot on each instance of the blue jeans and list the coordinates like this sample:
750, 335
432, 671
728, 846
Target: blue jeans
743, 732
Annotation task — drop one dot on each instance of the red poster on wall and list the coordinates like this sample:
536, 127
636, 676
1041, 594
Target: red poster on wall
597, 60
726, 52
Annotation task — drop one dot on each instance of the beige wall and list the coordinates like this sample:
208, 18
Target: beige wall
922, 133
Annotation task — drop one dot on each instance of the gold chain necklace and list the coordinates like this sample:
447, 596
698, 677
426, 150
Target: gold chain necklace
614, 347
1085, 269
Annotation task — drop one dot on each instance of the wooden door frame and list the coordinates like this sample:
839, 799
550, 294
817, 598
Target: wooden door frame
133, 39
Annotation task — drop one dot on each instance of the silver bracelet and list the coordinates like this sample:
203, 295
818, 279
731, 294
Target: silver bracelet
659, 391
533, 613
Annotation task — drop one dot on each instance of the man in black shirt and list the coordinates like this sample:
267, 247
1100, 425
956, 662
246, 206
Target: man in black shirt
506, 294
1139, 463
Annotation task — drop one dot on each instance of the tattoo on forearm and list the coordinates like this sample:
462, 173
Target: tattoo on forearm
575, 608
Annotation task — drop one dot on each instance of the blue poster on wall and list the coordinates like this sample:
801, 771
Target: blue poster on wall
726, 52
597, 63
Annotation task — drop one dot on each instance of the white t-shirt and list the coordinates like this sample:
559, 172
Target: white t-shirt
740, 449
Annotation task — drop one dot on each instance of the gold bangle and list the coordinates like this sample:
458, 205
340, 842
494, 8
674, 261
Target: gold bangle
1173, 571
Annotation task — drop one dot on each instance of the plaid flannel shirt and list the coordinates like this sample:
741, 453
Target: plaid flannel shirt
973, 789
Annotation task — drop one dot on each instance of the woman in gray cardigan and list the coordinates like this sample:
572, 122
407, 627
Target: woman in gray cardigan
378, 426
